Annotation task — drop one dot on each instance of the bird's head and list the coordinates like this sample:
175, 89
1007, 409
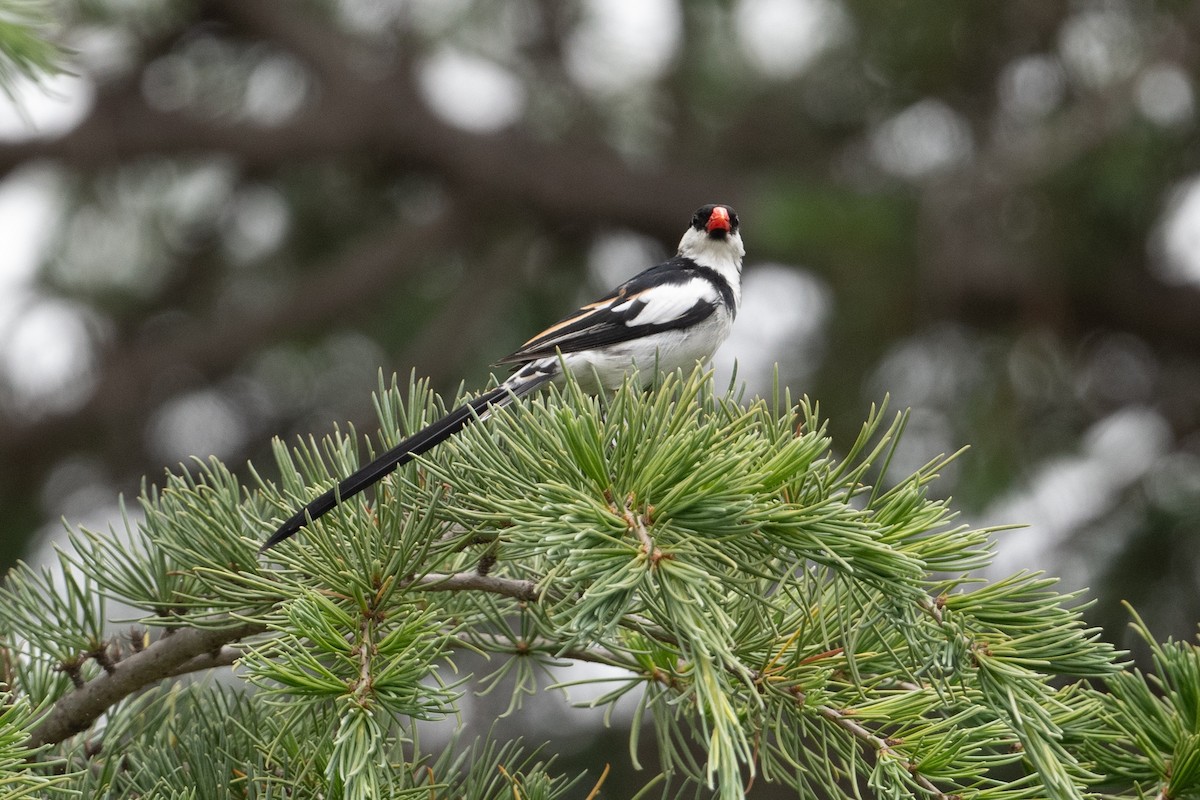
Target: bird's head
714, 233
717, 222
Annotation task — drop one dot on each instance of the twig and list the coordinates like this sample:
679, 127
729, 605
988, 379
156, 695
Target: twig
222, 657
636, 522
468, 581
638, 526
879, 745
366, 649
76, 711
189, 650
518, 647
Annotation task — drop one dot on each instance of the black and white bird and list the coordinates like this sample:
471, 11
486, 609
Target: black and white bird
669, 317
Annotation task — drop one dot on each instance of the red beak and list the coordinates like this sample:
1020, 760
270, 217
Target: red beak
718, 219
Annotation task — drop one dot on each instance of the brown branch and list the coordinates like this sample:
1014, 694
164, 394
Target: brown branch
879, 745
317, 42
366, 651
188, 650
473, 581
222, 657
75, 712
637, 524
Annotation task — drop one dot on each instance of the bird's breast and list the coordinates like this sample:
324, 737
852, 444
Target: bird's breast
605, 367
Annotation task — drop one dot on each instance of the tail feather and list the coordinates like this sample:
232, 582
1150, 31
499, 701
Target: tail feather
420, 442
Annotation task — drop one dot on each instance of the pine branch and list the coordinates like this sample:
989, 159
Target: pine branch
769, 607
222, 657
25, 51
473, 581
75, 712
879, 744
187, 650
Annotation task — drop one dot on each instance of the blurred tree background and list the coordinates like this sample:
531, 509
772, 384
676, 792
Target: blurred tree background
234, 212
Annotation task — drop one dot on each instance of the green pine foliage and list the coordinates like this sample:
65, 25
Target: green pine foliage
777, 614
25, 50
17, 780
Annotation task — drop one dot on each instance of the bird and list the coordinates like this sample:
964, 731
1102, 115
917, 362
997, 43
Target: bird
667, 317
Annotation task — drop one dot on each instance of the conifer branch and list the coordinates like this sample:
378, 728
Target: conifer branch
75, 712
767, 607
188, 650
474, 581
222, 657
880, 745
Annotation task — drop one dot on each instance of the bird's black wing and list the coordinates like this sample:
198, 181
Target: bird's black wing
674, 294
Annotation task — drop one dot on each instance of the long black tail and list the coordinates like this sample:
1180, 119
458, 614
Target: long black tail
423, 440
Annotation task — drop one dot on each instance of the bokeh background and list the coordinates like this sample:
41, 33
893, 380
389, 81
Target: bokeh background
235, 212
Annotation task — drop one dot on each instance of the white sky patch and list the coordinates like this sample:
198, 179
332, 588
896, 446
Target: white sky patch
367, 16
256, 223
470, 92
46, 351
784, 315
52, 108
1032, 86
1175, 243
929, 373
616, 257
76, 486
1072, 491
47, 357
200, 423
1164, 95
101, 51
1100, 46
432, 17
783, 37
922, 140
28, 207
276, 89
616, 46
938, 367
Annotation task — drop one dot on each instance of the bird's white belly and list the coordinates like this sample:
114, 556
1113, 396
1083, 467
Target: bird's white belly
660, 352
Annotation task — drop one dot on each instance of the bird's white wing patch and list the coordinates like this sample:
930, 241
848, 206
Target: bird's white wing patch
669, 302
